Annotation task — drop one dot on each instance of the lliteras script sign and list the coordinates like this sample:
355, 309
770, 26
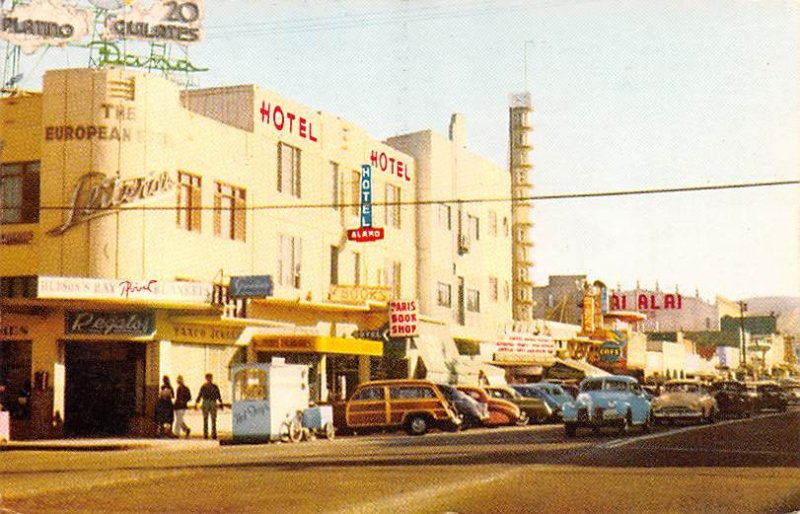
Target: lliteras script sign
403, 318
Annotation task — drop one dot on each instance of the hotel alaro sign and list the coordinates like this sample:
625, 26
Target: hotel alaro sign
366, 232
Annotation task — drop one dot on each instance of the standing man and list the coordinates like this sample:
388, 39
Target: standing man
182, 397
210, 395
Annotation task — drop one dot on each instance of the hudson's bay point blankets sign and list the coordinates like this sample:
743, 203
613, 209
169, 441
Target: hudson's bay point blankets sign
532, 347
78, 288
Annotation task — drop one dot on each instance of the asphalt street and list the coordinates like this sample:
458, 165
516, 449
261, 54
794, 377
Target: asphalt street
734, 466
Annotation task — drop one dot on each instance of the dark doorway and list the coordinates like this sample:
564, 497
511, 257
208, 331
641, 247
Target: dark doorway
104, 387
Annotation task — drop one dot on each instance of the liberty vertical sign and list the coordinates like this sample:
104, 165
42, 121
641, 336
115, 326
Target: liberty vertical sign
366, 232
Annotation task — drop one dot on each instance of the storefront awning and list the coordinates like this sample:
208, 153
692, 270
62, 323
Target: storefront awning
583, 366
434, 356
307, 343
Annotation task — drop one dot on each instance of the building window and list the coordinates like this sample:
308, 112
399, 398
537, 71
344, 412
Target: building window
473, 225
18, 287
473, 300
356, 268
189, 201
506, 290
229, 211
445, 216
392, 206
493, 223
19, 192
355, 192
289, 260
334, 265
505, 226
444, 295
493, 292
335, 194
288, 169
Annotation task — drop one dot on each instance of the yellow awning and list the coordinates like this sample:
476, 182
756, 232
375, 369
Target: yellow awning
302, 343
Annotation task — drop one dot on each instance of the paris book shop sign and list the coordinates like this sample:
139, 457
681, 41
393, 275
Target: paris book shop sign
55, 23
96, 195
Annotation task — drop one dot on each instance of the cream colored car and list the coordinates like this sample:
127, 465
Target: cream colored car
685, 400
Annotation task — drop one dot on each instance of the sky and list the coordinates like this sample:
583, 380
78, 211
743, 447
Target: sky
626, 94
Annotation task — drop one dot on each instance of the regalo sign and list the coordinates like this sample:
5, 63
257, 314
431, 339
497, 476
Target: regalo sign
53, 22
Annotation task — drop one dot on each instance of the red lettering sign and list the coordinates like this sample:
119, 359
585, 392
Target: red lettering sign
365, 234
389, 164
281, 119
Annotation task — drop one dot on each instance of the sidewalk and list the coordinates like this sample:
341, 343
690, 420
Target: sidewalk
109, 444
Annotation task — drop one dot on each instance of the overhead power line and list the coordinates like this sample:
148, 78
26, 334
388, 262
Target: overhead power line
446, 201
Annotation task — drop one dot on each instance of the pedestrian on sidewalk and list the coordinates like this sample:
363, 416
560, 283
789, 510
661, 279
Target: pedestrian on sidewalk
165, 415
210, 395
182, 398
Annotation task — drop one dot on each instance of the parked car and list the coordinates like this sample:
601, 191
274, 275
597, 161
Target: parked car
732, 398
528, 391
534, 410
473, 413
554, 391
414, 405
570, 388
684, 400
501, 412
792, 391
612, 400
772, 396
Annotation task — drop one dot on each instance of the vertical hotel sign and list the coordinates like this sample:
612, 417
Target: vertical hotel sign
366, 232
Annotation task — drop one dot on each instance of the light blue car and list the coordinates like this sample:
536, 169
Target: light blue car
615, 401
554, 391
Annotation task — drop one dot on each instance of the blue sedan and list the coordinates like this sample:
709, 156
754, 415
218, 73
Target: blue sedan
616, 401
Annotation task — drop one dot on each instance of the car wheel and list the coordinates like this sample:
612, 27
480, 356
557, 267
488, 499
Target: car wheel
713, 417
523, 419
570, 429
646, 424
625, 426
417, 425
330, 431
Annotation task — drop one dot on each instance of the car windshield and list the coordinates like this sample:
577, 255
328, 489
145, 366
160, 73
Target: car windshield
592, 385
682, 388
613, 385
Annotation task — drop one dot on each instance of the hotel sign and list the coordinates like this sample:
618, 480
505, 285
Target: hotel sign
75, 288
366, 233
44, 22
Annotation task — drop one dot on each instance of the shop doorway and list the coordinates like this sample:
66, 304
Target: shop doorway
15, 376
104, 387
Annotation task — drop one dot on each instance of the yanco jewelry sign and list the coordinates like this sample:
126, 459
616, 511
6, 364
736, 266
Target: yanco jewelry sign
52, 22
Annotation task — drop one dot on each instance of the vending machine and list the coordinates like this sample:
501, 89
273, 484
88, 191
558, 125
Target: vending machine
267, 398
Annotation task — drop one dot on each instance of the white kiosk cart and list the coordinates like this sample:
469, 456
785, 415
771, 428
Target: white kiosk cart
266, 400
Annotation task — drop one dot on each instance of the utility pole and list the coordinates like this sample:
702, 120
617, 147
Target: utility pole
743, 356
